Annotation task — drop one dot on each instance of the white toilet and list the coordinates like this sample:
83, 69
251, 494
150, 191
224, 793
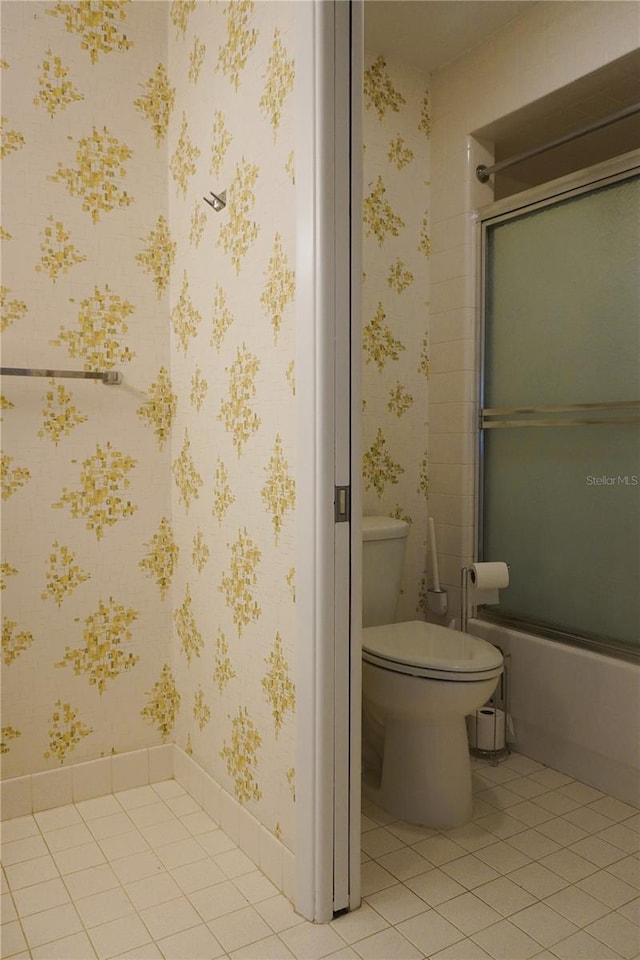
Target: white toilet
419, 682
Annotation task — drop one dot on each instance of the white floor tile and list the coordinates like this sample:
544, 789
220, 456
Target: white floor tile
505, 896
429, 932
505, 941
234, 863
562, 831
255, 886
79, 858
618, 933
597, 850
40, 896
101, 907
469, 913
577, 906
28, 872
215, 842
137, 866
569, 865
404, 863
197, 943
76, 947
501, 825
309, 941
502, 857
118, 936
111, 825
18, 828
631, 911
168, 918
8, 912
543, 924
98, 807
396, 903
151, 891
235, 930
582, 946
359, 923
463, 950
379, 841
216, 901
435, 887
12, 939
388, 943
85, 883
197, 875
150, 814
607, 889
57, 818
64, 838
534, 844
280, 915
373, 877
136, 797
470, 871
439, 849
622, 836
124, 845
271, 948
51, 924
627, 870
161, 834
612, 808
27, 848
538, 880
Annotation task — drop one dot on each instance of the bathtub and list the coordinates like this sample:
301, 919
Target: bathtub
573, 709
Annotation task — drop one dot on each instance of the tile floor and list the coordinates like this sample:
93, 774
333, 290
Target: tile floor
549, 868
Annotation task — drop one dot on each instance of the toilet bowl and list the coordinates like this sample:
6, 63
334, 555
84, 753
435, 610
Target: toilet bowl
419, 682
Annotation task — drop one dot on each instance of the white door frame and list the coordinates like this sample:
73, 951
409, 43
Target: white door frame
328, 583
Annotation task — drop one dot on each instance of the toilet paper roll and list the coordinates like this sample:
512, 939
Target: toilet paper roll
487, 729
486, 579
490, 576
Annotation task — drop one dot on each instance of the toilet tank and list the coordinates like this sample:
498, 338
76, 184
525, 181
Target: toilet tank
384, 540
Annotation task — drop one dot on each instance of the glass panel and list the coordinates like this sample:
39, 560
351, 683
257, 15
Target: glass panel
562, 325
563, 302
561, 507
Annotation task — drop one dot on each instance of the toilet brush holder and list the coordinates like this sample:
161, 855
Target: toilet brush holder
437, 601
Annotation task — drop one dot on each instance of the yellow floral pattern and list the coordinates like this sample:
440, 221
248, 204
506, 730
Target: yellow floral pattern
10, 140
6, 570
161, 559
379, 91
58, 253
222, 317
60, 415
277, 685
196, 59
101, 656
279, 492
238, 583
101, 501
180, 12
66, 731
199, 389
102, 327
240, 40
201, 552
191, 642
279, 79
379, 468
56, 92
63, 574
378, 342
187, 478
236, 413
10, 310
6, 734
160, 409
198, 223
157, 102
184, 316
13, 644
425, 116
399, 153
12, 478
223, 673
222, 493
220, 142
183, 162
242, 756
159, 254
280, 288
100, 167
399, 278
239, 231
399, 400
96, 23
424, 246
378, 216
201, 710
163, 704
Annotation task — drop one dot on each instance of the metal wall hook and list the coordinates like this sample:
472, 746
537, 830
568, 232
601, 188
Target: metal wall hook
219, 201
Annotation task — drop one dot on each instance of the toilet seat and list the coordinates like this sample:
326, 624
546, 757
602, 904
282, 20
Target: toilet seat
421, 649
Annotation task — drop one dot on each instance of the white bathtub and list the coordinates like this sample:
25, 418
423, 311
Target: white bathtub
574, 710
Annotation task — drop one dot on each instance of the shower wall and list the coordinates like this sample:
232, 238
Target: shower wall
148, 529
395, 307
232, 360
86, 623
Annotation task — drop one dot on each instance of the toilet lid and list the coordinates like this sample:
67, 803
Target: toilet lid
429, 650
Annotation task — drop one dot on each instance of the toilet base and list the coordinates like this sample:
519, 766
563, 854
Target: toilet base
426, 772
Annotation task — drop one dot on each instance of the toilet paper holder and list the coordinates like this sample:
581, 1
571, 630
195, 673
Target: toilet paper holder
489, 729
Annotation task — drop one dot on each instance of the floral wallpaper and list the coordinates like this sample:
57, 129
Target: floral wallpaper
148, 569
395, 307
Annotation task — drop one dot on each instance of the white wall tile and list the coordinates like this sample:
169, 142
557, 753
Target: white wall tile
52, 788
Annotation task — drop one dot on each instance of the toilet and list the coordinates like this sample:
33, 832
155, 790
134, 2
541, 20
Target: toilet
419, 682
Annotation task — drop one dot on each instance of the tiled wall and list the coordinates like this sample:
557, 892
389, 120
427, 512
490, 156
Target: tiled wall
149, 528
395, 307
549, 46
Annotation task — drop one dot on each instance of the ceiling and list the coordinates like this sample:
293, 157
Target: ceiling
428, 34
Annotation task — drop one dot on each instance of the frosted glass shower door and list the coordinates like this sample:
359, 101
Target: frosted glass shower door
561, 499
